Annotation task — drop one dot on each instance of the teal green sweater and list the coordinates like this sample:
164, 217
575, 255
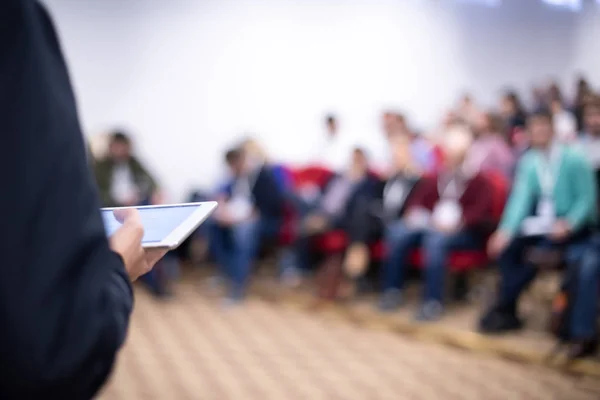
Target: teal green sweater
574, 191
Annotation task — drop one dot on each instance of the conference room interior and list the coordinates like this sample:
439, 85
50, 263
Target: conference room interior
332, 135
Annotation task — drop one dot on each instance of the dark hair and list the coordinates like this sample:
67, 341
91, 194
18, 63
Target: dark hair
330, 119
120, 137
540, 114
592, 103
234, 155
514, 98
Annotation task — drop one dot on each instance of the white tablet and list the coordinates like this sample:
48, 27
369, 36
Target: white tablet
165, 226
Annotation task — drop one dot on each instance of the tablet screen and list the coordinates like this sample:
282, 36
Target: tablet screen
158, 222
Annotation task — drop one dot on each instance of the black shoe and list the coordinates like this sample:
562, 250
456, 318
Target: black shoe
497, 322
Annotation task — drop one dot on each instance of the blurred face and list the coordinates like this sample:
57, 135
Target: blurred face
331, 127
507, 106
359, 161
540, 131
388, 123
119, 150
555, 106
237, 166
482, 124
592, 120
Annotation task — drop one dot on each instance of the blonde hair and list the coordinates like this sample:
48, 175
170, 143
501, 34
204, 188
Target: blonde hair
254, 150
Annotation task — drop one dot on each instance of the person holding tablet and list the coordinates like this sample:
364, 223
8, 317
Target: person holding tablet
65, 289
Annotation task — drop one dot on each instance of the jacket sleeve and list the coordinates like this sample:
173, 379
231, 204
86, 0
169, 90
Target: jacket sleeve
65, 298
583, 210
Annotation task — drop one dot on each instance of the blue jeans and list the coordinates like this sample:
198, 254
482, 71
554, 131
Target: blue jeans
436, 246
237, 246
582, 254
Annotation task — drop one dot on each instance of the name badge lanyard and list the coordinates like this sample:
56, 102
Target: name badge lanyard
244, 186
547, 172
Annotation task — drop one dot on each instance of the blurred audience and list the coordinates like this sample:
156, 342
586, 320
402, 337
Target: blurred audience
490, 150
121, 177
549, 217
513, 112
386, 206
340, 207
467, 110
250, 213
447, 211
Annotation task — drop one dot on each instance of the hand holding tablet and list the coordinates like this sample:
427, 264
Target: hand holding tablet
165, 226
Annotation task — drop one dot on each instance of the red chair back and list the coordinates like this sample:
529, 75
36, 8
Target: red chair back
314, 175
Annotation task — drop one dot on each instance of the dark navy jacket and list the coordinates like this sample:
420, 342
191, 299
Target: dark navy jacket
65, 298
267, 194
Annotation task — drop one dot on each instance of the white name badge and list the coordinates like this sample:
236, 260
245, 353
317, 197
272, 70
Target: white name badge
447, 213
239, 208
536, 226
418, 218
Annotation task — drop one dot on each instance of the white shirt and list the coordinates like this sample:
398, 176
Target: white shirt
123, 187
335, 154
565, 126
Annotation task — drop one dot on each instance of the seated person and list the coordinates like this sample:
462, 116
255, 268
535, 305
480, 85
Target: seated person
122, 179
490, 151
557, 182
343, 198
250, 212
124, 182
589, 140
446, 212
387, 206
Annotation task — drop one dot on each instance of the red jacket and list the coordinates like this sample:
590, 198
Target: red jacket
476, 200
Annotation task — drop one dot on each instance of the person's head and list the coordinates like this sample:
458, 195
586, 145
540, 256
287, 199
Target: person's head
488, 123
466, 101
554, 93
583, 91
119, 148
254, 151
331, 125
360, 162
235, 160
456, 145
394, 123
450, 119
556, 106
591, 115
402, 156
539, 127
511, 104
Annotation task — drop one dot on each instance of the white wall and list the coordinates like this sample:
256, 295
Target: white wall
188, 77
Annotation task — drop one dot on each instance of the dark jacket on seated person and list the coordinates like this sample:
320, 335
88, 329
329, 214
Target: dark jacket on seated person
267, 195
360, 194
475, 201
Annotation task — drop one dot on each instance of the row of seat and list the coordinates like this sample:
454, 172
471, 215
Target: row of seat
335, 242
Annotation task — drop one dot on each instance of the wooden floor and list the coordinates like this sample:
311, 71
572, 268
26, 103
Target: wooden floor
278, 345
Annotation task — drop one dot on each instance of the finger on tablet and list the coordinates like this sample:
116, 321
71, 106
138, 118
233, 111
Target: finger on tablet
124, 214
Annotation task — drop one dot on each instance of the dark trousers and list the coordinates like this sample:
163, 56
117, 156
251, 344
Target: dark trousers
582, 253
236, 247
436, 246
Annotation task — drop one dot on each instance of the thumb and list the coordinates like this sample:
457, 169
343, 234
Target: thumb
126, 214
